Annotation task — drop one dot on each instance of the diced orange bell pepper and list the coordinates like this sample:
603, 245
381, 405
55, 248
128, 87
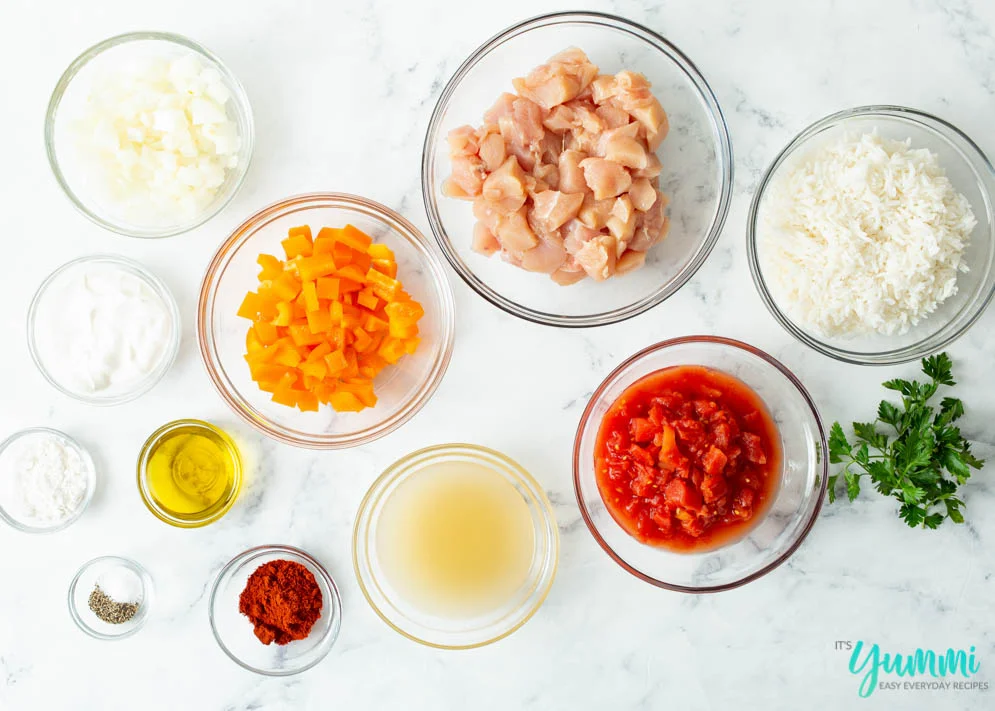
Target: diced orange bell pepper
320, 321
310, 292
318, 266
336, 362
298, 243
324, 243
266, 332
355, 238
367, 299
287, 287
345, 402
381, 251
328, 288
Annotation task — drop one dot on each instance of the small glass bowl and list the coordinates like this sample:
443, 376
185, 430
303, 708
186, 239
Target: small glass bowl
113, 397
83, 584
70, 93
402, 389
972, 175
789, 517
202, 518
91, 474
455, 633
696, 155
234, 632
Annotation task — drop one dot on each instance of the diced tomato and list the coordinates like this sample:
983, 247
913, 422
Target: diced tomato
687, 458
642, 429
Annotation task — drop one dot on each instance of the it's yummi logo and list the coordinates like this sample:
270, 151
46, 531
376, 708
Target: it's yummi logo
871, 663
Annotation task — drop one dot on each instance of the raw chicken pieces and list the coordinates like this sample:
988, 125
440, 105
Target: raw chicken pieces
563, 174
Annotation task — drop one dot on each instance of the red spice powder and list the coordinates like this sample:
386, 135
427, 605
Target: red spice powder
282, 600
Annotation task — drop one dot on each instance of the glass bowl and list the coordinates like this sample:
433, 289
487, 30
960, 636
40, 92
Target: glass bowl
971, 174
696, 157
233, 630
209, 515
91, 473
457, 632
789, 517
402, 389
111, 396
71, 93
79, 595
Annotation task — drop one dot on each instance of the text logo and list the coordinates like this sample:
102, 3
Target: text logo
870, 664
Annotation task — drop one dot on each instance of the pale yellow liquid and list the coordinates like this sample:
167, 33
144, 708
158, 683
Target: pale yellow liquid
455, 540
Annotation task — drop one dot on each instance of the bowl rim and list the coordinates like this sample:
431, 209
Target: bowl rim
155, 283
893, 356
402, 228
331, 634
241, 102
822, 458
724, 153
91, 481
148, 594
396, 470
142, 469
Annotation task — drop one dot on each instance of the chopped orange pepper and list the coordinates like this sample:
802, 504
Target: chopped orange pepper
328, 288
327, 320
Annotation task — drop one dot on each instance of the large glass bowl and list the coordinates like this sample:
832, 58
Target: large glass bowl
233, 630
971, 174
696, 157
457, 632
402, 389
789, 516
71, 93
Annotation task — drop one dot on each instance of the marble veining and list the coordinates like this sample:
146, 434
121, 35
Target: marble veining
342, 95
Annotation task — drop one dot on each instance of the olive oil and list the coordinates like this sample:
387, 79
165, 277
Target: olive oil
192, 470
456, 539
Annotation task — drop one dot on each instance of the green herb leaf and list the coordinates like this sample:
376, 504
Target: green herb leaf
926, 459
839, 448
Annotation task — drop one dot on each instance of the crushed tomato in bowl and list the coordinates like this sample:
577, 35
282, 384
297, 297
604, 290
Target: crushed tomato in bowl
687, 458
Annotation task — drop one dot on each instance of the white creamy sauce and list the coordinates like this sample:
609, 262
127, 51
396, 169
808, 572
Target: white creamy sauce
99, 329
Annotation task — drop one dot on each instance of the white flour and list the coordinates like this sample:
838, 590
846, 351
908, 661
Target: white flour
43, 480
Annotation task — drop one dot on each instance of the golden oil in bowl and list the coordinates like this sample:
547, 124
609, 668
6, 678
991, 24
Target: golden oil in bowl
189, 473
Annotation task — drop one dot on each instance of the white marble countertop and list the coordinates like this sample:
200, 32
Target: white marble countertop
603, 640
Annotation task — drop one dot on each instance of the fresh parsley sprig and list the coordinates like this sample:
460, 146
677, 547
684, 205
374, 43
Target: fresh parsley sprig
920, 458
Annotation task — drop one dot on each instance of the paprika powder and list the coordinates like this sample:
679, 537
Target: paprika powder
282, 600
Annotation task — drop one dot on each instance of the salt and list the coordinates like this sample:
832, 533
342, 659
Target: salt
121, 585
43, 479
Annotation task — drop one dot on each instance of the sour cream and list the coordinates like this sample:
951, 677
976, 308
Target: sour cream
102, 330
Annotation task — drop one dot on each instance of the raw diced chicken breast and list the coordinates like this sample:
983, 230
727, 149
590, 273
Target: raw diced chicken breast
622, 221
463, 141
642, 194
629, 261
626, 151
571, 174
468, 173
652, 168
505, 187
605, 178
563, 175
565, 277
514, 233
612, 116
553, 208
598, 257
484, 241
575, 235
561, 119
549, 174
492, 151
502, 107
545, 257
595, 213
